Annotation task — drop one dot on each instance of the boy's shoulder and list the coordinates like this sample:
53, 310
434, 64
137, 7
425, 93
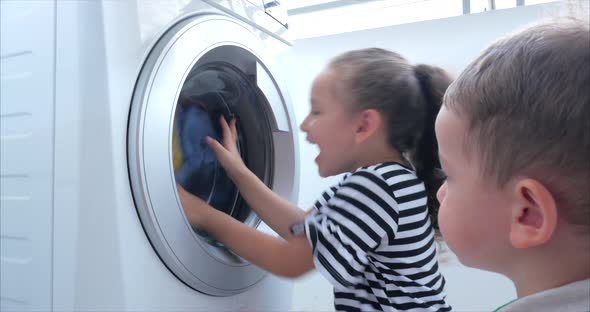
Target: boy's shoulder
571, 297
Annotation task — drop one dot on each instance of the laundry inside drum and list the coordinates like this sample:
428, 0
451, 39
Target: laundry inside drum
206, 96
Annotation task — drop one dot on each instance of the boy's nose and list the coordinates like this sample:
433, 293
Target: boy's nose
442, 192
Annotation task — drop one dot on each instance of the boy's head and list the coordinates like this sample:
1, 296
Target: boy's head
514, 139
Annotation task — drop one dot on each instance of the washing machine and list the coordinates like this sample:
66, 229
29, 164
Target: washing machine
104, 107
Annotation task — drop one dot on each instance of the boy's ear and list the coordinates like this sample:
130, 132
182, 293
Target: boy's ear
534, 214
369, 120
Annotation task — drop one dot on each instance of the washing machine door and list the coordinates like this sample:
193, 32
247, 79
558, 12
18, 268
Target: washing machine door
202, 69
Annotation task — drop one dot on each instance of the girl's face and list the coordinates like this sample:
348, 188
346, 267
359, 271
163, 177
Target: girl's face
330, 125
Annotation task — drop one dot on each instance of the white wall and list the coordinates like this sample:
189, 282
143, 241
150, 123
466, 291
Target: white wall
450, 43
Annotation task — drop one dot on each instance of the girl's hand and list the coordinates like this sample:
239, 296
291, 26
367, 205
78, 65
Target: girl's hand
227, 154
194, 207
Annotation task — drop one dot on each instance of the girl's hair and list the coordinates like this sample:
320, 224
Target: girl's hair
409, 97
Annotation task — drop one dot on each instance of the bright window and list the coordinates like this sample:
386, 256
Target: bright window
321, 17
314, 18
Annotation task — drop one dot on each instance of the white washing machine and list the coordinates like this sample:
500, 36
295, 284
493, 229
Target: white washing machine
104, 107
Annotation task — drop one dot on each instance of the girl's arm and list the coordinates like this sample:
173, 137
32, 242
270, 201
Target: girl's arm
288, 258
277, 212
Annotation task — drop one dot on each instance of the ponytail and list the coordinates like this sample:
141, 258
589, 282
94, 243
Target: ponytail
409, 97
433, 83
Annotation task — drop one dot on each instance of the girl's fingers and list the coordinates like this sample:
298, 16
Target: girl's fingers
227, 132
234, 132
214, 145
223, 124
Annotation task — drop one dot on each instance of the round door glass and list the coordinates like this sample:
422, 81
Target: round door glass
210, 92
206, 96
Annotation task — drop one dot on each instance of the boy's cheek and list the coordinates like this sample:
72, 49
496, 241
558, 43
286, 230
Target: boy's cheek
443, 218
454, 239
451, 226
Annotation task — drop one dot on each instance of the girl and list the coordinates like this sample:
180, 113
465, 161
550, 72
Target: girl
372, 236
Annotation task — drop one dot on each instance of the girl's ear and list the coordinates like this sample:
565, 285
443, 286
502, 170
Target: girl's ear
534, 214
367, 123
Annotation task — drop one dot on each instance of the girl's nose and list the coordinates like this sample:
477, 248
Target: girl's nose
303, 125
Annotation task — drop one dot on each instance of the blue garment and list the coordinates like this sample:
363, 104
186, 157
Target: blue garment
200, 173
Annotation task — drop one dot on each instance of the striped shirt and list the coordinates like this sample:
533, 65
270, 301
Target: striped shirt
373, 240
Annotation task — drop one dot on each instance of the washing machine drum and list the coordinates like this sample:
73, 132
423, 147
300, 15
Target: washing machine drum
205, 97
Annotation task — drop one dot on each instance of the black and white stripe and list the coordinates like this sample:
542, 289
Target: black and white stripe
373, 240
